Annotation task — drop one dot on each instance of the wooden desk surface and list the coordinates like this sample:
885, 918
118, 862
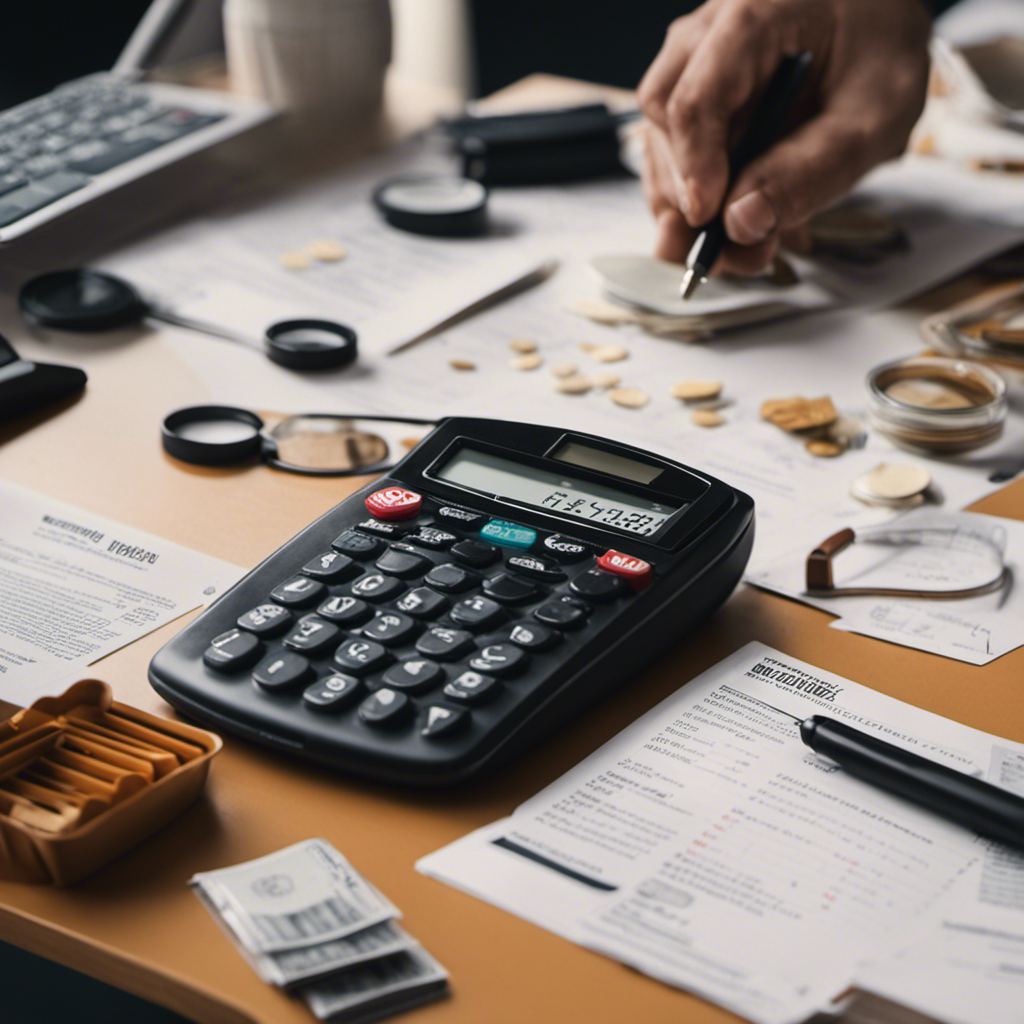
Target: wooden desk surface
136, 925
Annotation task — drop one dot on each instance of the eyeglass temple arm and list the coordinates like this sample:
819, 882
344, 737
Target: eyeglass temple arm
819, 561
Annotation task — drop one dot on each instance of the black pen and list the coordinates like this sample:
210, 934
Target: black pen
765, 125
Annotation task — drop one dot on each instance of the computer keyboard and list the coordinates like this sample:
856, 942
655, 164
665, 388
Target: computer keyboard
56, 144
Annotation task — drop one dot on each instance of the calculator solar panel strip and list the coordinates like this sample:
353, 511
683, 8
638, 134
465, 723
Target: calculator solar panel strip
546, 612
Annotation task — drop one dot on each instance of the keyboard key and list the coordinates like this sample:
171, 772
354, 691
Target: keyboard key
331, 567
563, 614
535, 567
433, 538
357, 545
534, 636
635, 571
509, 589
500, 660
282, 671
444, 643
377, 587
10, 181
422, 603
597, 585
403, 560
121, 150
477, 612
392, 628
451, 578
266, 620
232, 651
362, 657
333, 693
508, 535
414, 676
25, 200
473, 688
313, 636
394, 503
385, 709
379, 529
475, 553
298, 592
443, 721
346, 611
460, 518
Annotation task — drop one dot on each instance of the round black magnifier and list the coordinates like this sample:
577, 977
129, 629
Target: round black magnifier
87, 300
313, 444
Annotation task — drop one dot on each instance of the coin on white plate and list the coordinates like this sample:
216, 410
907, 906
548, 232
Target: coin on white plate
527, 361
605, 379
609, 353
891, 482
575, 384
630, 398
695, 390
565, 369
824, 449
296, 260
326, 250
707, 418
462, 364
524, 345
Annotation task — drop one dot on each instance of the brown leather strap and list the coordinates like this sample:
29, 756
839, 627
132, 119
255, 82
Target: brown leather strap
819, 561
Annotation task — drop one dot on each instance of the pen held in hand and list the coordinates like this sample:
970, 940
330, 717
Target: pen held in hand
765, 126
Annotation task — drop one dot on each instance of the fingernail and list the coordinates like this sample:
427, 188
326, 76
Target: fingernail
750, 220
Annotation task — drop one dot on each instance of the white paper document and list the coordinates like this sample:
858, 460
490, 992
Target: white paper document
705, 845
75, 586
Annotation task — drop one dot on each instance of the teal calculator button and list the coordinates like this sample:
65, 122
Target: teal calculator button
508, 535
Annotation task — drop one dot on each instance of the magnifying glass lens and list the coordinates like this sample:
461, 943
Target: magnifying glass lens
328, 443
311, 344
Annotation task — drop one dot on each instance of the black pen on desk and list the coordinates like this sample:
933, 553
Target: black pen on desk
765, 126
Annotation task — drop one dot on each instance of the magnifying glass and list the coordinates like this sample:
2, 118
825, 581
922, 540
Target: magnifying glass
87, 300
313, 444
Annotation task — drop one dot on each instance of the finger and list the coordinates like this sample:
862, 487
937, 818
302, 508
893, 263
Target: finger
654, 175
660, 78
674, 237
747, 260
797, 239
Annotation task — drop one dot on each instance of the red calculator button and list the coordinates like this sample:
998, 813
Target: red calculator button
394, 503
635, 571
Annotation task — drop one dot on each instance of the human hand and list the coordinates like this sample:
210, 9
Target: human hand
866, 89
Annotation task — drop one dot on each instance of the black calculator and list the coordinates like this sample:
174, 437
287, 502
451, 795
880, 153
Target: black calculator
500, 578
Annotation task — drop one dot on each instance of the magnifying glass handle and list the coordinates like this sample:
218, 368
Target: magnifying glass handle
202, 326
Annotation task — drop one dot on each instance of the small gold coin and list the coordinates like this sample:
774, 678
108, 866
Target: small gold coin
527, 361
524, 345
565, 369
824, 449
693, 390
326, 250
707, 418
576, 384
799, 413
462, 364
631, 398
605, 379
892, 481
296, 260
609, 353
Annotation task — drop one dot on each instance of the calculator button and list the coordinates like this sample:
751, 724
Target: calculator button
597, 585
444, 643
473, 688
312, 636
433, 538
534, 636
282, 671
403, 560
332, 693
460, 518
475, 553
535, 567
564, 614
508, 535
393, 503
346, 611
414, 676
356, 545
392, 629
362, 656
266, 620
444, 721
635, 571
500, 660
232, 650
477, 612
385, 709
377, 587
379, 529
510, 590
298, 592
565, 549
330, 567
451, 578
422, 603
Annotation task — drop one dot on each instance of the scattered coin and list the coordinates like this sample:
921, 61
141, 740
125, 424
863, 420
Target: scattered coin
799, 413
707, 418
825, 449
600, 311
524, 345
605, 379
575, 384
326, 250
609, 353
631, 398
295, 260
462, 364
588, 346
892, 483
565, 369
693, 390
527, 361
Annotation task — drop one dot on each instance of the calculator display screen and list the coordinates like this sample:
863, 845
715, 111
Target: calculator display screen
556, 492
